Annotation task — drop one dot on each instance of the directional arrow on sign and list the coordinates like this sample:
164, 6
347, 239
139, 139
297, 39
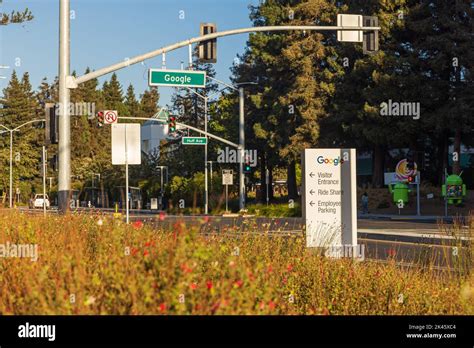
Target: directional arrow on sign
311, 192
311, 203
311, 174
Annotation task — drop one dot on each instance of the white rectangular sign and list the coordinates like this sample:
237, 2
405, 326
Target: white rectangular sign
227, 177
126, 143
344, 20
330, 197
393, 178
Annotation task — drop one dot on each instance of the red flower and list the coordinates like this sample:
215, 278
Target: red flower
238, 283
134, 251
145, 253
289, 268
147, 244
251, 276
162, 307
391, 252
186, 269
271, 305
270, 269
209, 285
137, 224
193, 286
162, 216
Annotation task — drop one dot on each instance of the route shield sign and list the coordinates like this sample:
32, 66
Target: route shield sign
330, 198
177, 78
193, 140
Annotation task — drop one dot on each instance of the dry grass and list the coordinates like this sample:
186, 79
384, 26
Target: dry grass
85, 267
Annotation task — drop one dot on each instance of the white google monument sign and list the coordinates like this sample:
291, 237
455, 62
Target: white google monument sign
330, 201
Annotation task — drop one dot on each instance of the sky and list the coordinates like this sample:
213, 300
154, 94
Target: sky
104, 32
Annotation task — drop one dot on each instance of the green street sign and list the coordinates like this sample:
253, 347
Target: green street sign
177, 78
194, 141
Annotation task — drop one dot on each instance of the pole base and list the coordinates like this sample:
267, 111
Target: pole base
63, 202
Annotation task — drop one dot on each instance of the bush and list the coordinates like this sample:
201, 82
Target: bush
275, 210
97, 265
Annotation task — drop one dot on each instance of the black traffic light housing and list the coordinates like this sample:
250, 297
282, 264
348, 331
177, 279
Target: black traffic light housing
172, 124
247, 167
100, 118
53, 163
208, 48
51, 131
370, 44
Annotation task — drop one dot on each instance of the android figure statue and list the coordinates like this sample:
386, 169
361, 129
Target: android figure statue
400, 192
454, 190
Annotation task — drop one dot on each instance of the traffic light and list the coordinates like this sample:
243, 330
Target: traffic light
247, 167
208, 48
53, 163
100, 119
370, 43
411, 179
172, 124
51, 131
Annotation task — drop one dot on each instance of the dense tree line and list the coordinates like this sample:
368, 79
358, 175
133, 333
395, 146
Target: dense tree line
309, 91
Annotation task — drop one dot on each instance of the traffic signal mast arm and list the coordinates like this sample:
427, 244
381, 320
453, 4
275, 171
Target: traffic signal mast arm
185, 126
74, 82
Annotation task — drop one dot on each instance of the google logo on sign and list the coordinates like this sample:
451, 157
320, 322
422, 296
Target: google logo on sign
335, 161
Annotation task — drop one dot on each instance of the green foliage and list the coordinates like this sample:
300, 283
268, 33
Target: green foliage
113, 268
274, 210
15, 17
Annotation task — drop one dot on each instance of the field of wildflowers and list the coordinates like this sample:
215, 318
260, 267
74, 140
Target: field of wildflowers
98, 265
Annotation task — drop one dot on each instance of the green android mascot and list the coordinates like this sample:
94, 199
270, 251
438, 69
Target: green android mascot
454, 190
400, 192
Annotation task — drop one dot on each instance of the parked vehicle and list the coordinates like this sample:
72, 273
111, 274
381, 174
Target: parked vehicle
38, 201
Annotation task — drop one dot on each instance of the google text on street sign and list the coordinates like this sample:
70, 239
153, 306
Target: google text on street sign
176, 78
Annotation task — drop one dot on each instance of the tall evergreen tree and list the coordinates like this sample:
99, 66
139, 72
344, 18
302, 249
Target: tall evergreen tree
131, 102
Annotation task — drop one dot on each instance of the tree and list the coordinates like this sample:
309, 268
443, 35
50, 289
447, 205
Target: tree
131, 102
20, 106
15, 17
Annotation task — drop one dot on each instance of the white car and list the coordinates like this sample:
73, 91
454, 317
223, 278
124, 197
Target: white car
38, 201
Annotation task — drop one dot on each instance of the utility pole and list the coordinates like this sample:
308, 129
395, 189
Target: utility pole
206, 197
11, 154
64, 178
44, 179
242, 149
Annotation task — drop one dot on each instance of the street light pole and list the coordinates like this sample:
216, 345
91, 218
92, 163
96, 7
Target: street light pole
64, 179
206, 198
11, 154
242, 149
11, 167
